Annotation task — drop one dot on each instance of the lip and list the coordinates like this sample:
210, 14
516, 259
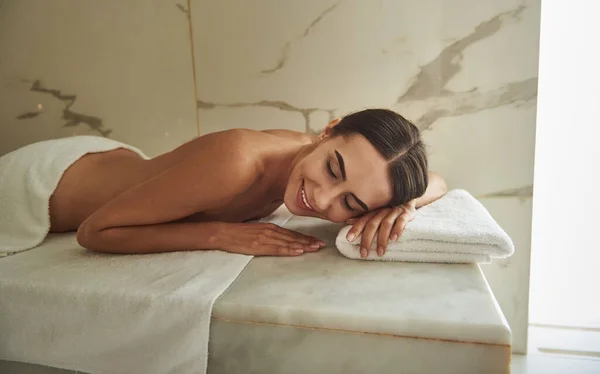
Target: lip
299, 201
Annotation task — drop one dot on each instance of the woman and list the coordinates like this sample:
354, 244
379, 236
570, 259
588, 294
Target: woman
369, 167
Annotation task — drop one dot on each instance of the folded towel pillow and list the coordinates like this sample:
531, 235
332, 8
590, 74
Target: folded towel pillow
454, 229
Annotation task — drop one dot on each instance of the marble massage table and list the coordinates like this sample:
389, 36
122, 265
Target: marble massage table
324, 313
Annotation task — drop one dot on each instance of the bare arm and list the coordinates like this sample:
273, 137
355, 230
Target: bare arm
435, 189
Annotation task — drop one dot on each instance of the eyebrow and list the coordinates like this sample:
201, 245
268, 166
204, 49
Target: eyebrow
343, 170
341, 162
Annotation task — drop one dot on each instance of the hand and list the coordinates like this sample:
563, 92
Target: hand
387, 223
264, 239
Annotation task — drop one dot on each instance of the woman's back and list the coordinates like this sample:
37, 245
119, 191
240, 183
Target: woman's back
97, 178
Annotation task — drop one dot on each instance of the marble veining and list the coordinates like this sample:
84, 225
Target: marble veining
285, 52
29, 115
71, 117
281, 105
427, 99
433, 77
184, 10
264, 348
430, 97
461, 103
522, 192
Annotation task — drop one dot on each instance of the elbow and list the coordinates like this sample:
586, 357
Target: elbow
437, 184
95, 239
88, 238
443, 187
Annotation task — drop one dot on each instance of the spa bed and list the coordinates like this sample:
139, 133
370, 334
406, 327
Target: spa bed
324, 313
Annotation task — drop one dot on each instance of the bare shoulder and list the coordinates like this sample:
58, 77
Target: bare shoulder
236, 152
289, 135
245, 144
239, 152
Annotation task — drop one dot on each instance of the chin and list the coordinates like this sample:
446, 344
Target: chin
289, 204
294, 210
291, 209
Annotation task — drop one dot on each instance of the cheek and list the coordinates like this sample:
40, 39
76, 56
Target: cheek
309, 170
339, 215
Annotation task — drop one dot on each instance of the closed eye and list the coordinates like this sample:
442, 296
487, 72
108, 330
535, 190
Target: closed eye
347, 204
330, 170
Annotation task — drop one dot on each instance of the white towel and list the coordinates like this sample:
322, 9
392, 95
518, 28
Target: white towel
453, 229
66, 307
29, 176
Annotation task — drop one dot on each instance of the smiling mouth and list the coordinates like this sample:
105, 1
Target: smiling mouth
304, 199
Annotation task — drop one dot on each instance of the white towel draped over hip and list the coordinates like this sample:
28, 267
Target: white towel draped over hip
28, 178
454, 229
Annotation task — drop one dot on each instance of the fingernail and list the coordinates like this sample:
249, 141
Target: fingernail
394, 238
380, 251
363, 252
298, 251
350, 237
321, 243
314, 246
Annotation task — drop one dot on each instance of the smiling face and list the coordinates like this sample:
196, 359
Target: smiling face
342, 177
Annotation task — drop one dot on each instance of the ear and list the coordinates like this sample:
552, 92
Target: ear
327, 130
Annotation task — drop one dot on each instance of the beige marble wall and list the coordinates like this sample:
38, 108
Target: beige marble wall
120, 69
464, 70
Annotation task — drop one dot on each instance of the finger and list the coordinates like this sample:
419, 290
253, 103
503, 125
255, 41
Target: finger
265, 242
356, 218
313, 242
285, 242
369, 232
358, 226
296, 237
295, 244
286, 251
385, 231
398, 228
305, 247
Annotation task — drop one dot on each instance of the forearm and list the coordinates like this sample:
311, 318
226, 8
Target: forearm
166, 237
435, 189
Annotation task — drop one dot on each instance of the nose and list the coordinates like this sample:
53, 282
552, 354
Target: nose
323, 196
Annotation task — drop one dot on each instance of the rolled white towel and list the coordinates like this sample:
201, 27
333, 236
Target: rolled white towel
454, 229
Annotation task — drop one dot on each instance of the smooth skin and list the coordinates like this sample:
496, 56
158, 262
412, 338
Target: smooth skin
201, 195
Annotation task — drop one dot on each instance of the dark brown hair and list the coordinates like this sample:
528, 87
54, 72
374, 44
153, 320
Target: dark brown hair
399, 142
